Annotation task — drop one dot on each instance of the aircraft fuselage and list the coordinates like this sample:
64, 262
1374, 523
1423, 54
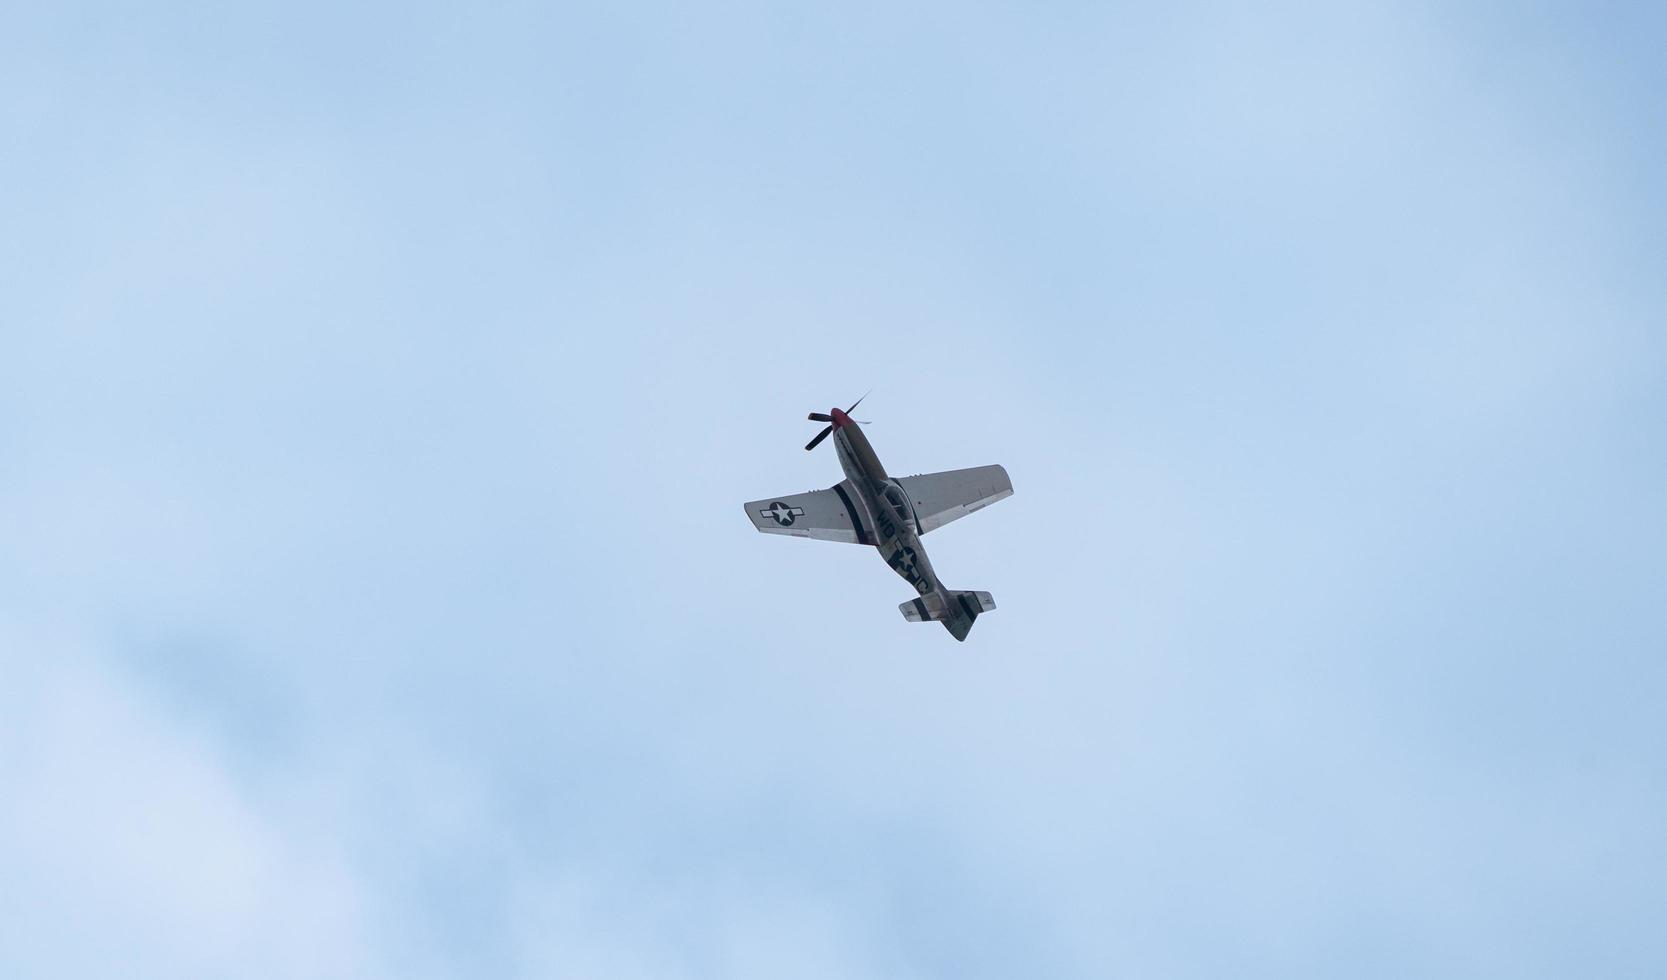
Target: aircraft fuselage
889, 512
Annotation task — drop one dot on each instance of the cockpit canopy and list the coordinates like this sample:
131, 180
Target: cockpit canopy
898, 501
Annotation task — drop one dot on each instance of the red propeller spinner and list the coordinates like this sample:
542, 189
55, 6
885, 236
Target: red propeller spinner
837, 420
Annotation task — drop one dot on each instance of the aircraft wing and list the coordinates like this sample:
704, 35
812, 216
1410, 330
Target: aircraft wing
943, 497
833, 514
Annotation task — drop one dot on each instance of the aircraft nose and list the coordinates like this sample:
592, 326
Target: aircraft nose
840, 419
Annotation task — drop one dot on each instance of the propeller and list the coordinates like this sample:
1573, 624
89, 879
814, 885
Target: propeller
819, 417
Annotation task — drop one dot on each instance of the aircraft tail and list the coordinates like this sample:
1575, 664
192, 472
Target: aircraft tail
955, 610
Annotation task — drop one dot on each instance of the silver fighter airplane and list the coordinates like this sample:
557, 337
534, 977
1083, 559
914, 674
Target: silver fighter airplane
869, 507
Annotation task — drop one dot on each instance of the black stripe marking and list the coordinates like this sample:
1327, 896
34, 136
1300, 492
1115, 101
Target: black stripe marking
921, 607
855, 515
972, 613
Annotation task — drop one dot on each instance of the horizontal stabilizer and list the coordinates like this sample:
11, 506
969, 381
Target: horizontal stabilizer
925, 609
957, 614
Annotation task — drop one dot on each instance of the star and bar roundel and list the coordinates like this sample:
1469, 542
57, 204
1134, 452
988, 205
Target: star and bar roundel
783, 514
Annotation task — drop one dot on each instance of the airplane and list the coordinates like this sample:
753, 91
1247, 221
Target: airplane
892, 514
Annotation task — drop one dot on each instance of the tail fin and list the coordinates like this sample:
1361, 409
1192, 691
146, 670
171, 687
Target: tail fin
956, 614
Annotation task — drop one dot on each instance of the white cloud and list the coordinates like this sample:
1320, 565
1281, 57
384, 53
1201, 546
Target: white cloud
130, 849
601, 924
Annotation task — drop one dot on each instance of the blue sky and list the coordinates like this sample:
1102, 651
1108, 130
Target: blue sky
379, 387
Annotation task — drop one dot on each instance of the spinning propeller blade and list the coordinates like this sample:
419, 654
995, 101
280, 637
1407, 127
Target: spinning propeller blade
819, 417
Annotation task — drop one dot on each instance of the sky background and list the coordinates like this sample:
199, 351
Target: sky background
380, 384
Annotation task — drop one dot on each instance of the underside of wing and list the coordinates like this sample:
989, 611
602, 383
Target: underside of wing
834, 514
943, 497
